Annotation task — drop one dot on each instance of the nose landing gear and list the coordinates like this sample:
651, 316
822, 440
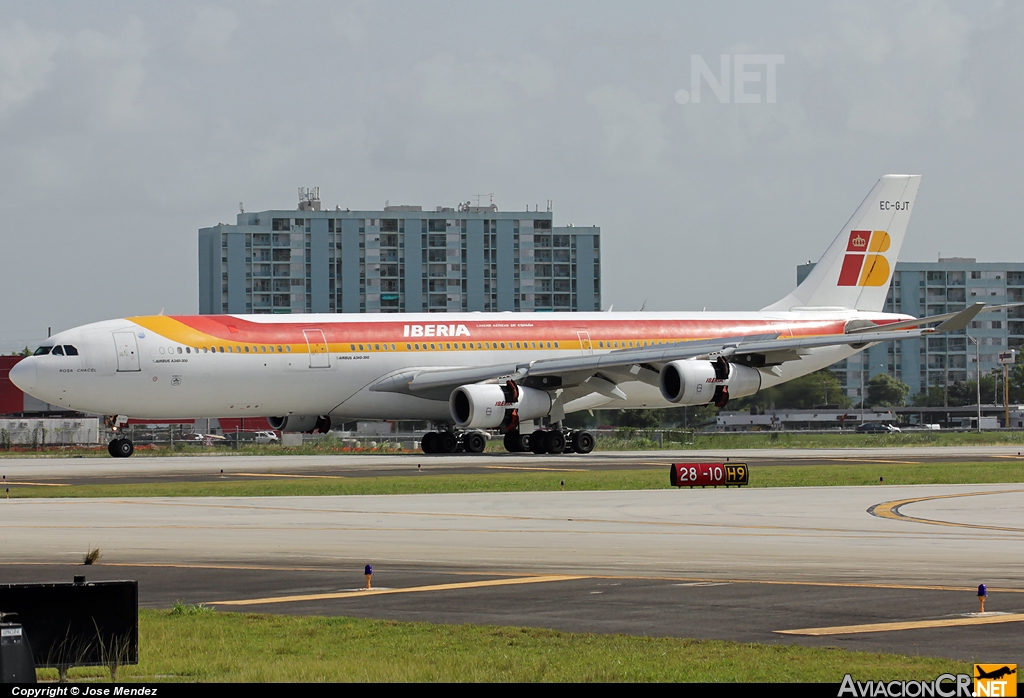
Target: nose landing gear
121, 446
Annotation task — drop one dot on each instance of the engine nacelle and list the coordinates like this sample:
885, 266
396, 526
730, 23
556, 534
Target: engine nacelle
304, 423
691, 382
491, 405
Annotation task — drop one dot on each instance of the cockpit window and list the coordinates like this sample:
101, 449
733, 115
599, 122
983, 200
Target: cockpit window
57, 351
42, 351
70, 350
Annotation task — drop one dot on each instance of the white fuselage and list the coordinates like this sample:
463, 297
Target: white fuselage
278, 365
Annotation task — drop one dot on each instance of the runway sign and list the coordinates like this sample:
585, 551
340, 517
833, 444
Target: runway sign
709, 474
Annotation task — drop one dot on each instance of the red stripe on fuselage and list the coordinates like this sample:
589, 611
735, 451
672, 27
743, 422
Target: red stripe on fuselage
236, 330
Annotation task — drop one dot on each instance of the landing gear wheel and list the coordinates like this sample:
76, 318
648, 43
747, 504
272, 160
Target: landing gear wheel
446, 443
429, 443
584, 442
539, 441
475, 442
121, 448
555, 441
516, 442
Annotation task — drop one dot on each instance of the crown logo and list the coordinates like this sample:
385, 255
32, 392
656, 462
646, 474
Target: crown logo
859, 241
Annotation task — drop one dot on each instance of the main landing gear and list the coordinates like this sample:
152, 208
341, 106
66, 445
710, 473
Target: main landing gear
561, 440
550, 440
454, 441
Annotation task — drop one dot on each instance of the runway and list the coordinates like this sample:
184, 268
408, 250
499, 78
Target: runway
190, 468
737, 564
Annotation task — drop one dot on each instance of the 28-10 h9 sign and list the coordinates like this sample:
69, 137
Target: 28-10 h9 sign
709, 474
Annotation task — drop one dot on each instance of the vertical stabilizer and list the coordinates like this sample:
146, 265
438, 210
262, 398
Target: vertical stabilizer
856, 269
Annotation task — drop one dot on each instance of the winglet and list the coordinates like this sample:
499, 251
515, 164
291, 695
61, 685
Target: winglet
961, 319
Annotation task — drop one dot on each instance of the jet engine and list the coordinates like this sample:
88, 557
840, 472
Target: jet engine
491, 405
691, 382
307, 424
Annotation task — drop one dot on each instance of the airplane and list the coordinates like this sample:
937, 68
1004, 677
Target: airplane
994, 674
469, 372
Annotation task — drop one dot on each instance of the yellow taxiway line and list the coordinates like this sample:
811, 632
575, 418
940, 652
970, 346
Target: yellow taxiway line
37, 484
891, 510
907, 625
404, 590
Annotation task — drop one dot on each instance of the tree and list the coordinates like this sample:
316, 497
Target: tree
640, 419
813, 390
886, 391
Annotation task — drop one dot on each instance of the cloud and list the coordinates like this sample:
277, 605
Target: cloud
208, 36
26, 61
632, 136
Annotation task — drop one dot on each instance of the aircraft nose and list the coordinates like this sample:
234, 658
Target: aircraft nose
23, 375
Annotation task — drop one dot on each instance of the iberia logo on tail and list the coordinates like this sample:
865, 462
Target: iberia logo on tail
864, 265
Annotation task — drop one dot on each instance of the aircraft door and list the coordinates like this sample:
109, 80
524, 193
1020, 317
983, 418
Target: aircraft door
319, 356
127, 348
586, 348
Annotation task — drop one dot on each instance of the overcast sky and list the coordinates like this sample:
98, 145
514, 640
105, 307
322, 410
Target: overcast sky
125, 127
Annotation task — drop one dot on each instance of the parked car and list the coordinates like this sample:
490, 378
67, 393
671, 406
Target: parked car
876, 428
266, 437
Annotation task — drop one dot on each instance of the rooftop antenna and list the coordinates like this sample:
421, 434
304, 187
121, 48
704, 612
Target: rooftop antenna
551, 203
309, 198
479, 196
241, 208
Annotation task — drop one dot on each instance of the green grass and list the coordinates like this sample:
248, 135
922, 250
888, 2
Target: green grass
201, 645
639, 479
622, 440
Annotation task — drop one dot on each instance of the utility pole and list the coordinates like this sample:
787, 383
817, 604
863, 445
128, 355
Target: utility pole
977, 381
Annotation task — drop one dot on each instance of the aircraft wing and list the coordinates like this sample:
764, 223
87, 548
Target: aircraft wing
931, 319
644, 362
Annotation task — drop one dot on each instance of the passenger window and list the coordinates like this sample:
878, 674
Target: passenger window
70, 350
179, 350
376, 347
222, 350
392, 347
42, 351
57, 351
247, 350
286, 348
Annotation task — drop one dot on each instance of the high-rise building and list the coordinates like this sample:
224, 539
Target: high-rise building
399, 259
933, 288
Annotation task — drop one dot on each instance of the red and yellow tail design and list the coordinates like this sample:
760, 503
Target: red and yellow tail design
864, 263
856, 268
